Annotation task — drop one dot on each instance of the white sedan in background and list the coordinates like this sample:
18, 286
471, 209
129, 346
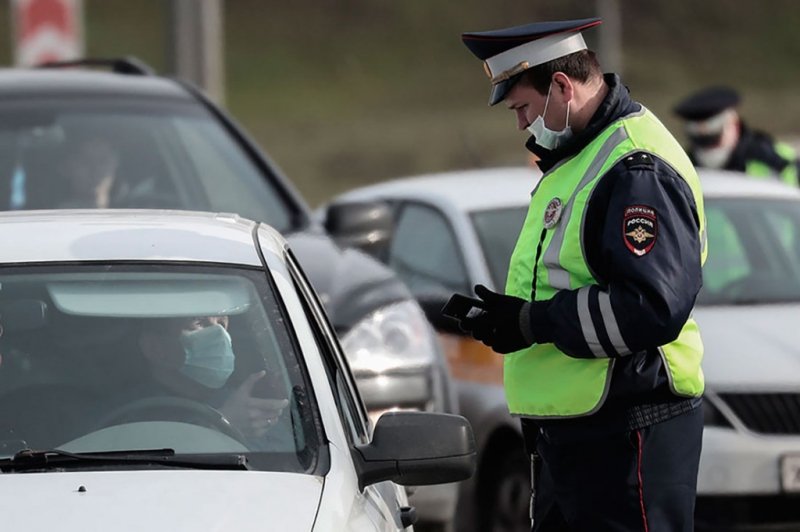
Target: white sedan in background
444, 233
176, 371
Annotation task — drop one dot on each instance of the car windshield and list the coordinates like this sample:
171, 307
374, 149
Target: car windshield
101, 358
753, 258
119, 153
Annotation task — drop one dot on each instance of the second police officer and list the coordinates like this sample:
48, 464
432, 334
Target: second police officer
719, 138
602, 357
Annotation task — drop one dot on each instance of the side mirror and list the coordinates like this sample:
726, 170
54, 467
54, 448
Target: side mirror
417, 448
363, 225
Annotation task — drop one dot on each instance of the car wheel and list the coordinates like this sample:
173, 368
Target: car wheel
506, 494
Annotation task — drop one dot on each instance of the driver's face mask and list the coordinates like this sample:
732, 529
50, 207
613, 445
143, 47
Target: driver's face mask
209, 355
545, 137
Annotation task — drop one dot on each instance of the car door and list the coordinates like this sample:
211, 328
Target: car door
381, 504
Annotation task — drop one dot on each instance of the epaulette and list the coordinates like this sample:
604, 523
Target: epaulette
638, 160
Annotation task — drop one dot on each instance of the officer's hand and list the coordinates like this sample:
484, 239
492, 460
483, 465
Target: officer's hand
478, 322
499, 325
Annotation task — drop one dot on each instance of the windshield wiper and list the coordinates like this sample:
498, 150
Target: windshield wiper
30, 460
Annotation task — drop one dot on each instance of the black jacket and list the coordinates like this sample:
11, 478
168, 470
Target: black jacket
651, 295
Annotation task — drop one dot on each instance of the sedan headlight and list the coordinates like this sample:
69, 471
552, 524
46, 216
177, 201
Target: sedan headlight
394, 338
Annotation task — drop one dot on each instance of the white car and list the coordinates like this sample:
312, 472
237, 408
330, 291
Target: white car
169, 371
454, 230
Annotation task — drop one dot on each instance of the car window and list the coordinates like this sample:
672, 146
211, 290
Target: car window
785, 227
753, 251
127, 153
217, 165
425, 254
497, 232
727, 259
111, 358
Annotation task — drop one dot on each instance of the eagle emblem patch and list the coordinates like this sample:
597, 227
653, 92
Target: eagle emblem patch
639, 229
552, 213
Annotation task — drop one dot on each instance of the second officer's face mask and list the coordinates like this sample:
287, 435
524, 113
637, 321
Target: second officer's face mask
209, 355
714, 139
546, 137
716, 157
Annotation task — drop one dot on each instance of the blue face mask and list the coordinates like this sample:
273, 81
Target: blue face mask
209, 355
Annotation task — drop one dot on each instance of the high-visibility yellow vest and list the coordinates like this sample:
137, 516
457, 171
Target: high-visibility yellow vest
788, 175
541, 381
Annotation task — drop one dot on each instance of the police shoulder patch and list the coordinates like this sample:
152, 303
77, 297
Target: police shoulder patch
639, 229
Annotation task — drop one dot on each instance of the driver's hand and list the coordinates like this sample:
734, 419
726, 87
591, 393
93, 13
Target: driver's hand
252, 415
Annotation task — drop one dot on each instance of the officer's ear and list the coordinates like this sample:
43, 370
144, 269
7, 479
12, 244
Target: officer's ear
562, 85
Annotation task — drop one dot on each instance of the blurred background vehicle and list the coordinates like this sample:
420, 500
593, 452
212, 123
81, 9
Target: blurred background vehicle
342, 95
454, 230
100, 389
134, 139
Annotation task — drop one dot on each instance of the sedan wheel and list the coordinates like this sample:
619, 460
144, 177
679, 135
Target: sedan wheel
508, 494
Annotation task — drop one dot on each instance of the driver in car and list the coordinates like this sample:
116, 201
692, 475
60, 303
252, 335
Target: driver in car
194, 358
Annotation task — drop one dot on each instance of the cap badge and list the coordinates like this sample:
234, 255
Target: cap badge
507, 74
552, 213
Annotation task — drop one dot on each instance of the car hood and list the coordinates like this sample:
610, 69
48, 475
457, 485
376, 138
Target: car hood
350, 283
160, 501
751, 347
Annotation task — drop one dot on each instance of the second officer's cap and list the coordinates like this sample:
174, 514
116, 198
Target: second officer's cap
708, 102
508, 52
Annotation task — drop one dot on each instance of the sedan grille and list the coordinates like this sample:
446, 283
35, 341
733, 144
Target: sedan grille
767, 413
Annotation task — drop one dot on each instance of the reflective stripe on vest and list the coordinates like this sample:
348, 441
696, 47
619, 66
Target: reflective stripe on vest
541, 381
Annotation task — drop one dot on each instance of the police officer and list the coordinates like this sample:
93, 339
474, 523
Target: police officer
718, 138
602, 356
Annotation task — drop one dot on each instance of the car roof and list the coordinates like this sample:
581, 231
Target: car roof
132, 235
492, 188
18, 82
468, 190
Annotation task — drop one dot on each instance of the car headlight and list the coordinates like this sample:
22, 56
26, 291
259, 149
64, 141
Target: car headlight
397, 337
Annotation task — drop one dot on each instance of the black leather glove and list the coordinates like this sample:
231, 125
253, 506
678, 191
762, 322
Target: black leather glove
500, 325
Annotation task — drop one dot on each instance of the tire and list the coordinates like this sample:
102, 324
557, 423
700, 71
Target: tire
505, 494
